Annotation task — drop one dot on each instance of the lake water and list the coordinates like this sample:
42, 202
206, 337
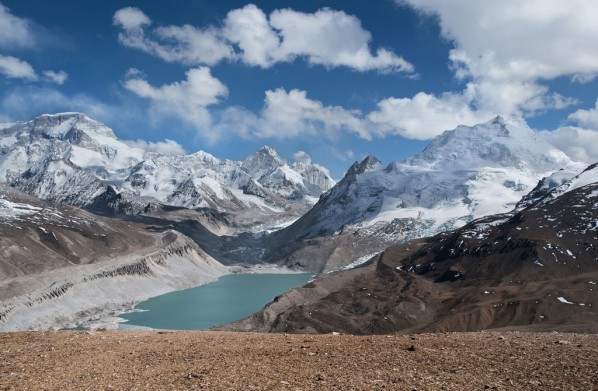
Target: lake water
230, 298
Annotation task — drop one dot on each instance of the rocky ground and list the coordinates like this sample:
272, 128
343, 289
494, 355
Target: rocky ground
155, 360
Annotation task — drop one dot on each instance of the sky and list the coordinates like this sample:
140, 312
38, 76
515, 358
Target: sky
338, 80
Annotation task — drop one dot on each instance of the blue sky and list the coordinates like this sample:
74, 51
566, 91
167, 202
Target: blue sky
337, 79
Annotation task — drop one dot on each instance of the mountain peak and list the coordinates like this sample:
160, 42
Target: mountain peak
262, 162
269, 151
498, 120
366, 164
500, 125
499, 142
69, 124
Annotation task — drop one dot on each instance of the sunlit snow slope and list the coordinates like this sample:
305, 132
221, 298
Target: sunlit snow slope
465, 173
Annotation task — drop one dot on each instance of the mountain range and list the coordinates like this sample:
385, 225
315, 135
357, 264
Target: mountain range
533, 268
77, 202
71, 159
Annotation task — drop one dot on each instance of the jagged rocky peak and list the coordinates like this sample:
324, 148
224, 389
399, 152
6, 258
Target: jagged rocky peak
501, 124
205, 157
318, 178
263, 162
268, 151
367, 164
300, 179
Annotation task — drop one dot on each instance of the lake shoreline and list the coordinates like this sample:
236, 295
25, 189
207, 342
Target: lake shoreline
263, 268
230, 298
110, 318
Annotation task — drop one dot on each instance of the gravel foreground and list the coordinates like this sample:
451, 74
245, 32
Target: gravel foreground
162, 360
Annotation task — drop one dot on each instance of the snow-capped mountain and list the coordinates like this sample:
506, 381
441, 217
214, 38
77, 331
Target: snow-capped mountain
70, 158
586, 177
531, 269
463, 174
301, 179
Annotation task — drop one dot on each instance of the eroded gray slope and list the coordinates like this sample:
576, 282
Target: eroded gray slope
60, 265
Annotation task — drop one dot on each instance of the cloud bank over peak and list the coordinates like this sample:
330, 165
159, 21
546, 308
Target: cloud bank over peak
167, 147
579, 139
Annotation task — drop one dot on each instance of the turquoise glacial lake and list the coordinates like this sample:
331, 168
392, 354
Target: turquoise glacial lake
230, 298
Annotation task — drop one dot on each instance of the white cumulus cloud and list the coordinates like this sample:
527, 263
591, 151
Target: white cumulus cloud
56, 77
302, 157
184, 100
331, 38
579, 141
519, 40
184, 44
15, 31
586, 118
291, 114
425, 115
580, 144
507, 48
14, 68
130, 18
326, 37
249, 28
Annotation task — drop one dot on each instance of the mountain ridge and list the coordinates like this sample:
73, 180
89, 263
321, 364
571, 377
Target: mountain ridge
500, 162
411, 183
530, 269
236, 212
55, 156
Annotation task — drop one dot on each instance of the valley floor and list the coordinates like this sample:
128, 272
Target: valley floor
153, 360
